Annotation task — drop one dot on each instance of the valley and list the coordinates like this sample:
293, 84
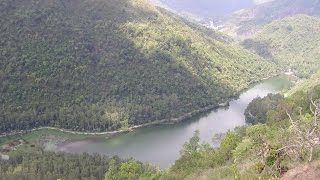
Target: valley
139, 89
144, 143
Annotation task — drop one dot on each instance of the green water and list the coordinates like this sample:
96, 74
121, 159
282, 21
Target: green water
160, 145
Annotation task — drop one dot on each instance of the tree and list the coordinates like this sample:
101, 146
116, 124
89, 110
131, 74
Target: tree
229, 143
130, 170
257, 110
304, 133
192, 147
112, 172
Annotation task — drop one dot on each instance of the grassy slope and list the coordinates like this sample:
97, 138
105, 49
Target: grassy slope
290, 42
98, 65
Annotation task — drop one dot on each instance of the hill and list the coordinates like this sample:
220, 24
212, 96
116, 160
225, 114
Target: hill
292, 42
246, 23
103, 65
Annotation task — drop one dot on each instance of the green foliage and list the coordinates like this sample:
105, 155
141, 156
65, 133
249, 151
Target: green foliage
292, 43
112, 170
243, 149
256, 133
34, 163
46, 165
204, 157
257, 110
262, 150
306, 84
193, 146
229, 143
105, 65
261, 48
130, 170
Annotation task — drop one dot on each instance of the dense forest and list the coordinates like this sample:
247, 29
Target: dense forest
258, 109
292, 42
34, 163
103, 65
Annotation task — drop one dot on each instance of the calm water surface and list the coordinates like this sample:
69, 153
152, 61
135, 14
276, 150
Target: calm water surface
160, 145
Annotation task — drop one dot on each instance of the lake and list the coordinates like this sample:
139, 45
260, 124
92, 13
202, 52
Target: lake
160, 145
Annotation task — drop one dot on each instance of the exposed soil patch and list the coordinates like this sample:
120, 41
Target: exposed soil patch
304, 172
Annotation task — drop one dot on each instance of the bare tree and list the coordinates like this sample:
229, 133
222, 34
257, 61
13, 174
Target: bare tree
304, 137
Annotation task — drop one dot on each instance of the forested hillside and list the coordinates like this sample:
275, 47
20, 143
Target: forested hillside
292, 42
247, 22
97, 65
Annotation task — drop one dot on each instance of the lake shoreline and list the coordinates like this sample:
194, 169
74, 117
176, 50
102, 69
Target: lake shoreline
164, 138
157, 122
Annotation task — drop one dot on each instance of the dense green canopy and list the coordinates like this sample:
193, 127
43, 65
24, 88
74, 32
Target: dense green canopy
33, 163
99, 65
292, 42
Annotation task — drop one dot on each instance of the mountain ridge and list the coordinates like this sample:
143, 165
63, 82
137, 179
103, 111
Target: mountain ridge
248, 22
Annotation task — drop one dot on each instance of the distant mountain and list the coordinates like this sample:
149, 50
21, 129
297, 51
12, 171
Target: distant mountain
108, 64
262, 1
206, 8
292, 42
247, 22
